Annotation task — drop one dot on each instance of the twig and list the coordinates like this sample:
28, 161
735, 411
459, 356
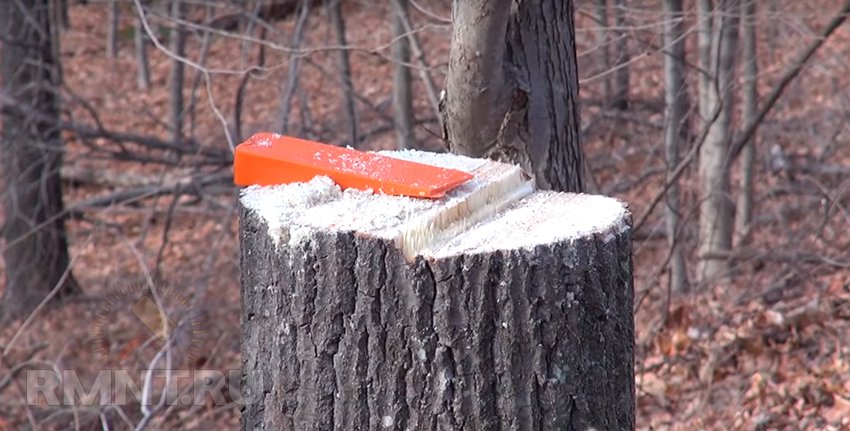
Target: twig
680, 169
796, 66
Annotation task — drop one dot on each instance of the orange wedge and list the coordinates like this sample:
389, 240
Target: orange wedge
269, 158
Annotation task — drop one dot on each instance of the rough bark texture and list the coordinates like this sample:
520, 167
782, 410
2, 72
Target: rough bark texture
512, 88
676, 106
342, 333
36, 248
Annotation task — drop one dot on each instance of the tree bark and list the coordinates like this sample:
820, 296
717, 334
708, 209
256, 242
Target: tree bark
749, 111
705, 18
334, 9
601, 9
112, 29
512, 88
675, 97
36, 253
143, 77
402, 88
175, 79
622, 76
341, 331
419, 54
716, 206
288, 92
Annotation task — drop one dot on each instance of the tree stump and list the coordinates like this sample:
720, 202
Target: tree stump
367, 311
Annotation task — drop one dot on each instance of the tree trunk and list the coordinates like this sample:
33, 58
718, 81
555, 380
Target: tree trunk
176, 81
36, 252
334, 9
512, 88
716, 207
675, 98
402, 89
530, 328
749, 113
143, 79
601, 9
112, 29
705, 18
419, 54
622, 76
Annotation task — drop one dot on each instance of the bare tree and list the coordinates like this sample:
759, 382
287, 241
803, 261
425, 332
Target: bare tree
705, 18
716, 206
512, 88
143, 79
675, 98
749, 107
601, 33
622, 75
421, 62
289, 90
334, 9
36, 254
402, 89
178, 47
112, 29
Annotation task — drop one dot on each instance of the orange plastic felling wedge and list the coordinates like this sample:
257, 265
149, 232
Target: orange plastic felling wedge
269, 158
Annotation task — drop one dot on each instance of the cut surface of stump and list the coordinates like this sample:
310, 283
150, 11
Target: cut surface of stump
495, 307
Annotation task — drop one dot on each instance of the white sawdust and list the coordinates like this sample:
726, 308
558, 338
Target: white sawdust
493, 211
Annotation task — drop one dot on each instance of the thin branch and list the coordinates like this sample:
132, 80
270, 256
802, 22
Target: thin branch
793, 70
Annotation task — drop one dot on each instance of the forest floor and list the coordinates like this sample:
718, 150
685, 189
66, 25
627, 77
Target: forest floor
765, 349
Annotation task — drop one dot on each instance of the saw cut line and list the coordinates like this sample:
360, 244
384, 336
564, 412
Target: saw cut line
498, 186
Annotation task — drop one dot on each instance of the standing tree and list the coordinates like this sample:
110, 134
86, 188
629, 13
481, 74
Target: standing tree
716, 205
512, 88
143, 79
675, 98
175, 79
622, 75
337, 21
36, 253
402, 86
749, 107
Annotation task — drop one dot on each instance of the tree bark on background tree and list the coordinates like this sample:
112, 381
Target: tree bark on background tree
716, 212
402, 88
143, 79
512, 88
36, 253
622, 75
705, 18
749, 111
421, 62
675, 98
176, 82
112, 29
601, 9
334, 10
289, 90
